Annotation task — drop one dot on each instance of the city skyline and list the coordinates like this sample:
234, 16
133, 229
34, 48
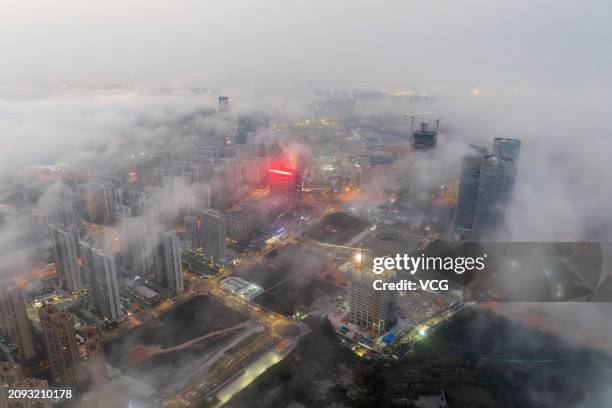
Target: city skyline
305, 204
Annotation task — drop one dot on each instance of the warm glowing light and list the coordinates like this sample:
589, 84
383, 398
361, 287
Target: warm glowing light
358, 257
475, 92
286, 173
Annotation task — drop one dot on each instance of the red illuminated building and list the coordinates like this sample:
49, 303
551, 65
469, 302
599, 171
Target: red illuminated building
285, 184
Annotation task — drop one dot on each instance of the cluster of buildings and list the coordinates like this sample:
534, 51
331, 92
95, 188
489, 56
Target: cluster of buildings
74, 357
13, 378
211, 229
211, 179
485, 188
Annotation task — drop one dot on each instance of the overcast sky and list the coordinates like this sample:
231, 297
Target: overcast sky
502, 44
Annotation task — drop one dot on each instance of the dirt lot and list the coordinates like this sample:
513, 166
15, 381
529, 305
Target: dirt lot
197, 317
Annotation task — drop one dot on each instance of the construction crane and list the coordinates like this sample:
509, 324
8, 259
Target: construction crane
412, 116
438, 123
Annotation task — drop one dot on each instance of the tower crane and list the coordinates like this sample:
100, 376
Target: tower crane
412, 116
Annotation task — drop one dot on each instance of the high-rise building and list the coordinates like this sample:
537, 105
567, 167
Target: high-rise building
494, 186
424, 140
223, 103
255, 172
101, 273
237, 229
15, 321
285, 184
193, 233
61, 343
369, 309
12, 378
66, 211
100, 201
260, 213
468, 190
136, 245
212, 232
248, 124
135, 200
510, 148
169, 271
96, 362
66, 259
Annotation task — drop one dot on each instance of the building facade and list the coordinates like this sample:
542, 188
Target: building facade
61, 344
15, 321
66, 259
285, 184
494, 185
424, 140
468, 190
101, 273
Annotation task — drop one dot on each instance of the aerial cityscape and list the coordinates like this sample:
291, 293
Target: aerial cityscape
182, 231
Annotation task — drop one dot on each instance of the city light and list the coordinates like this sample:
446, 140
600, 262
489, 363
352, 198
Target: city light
286, 173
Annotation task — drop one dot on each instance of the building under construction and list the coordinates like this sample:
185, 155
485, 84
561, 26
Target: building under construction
369, 309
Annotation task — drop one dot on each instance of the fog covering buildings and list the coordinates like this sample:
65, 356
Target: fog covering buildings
96, 361
101, 272
61, 345
207, 230
168, 262
15, 321
66, 259
468, 190
485, 190
424, 139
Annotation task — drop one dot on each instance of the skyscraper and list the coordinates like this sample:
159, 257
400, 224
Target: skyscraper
468, 190
260, 213
65, 211
192, 231
11, 377
169, 265
369, 309
60, 340
96, 362
66, 261
286, 184
101, 273
223, 103
99, 201
494, 185
15, 321
510, 148
212, 232
136, 245
424, 140
237, 229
